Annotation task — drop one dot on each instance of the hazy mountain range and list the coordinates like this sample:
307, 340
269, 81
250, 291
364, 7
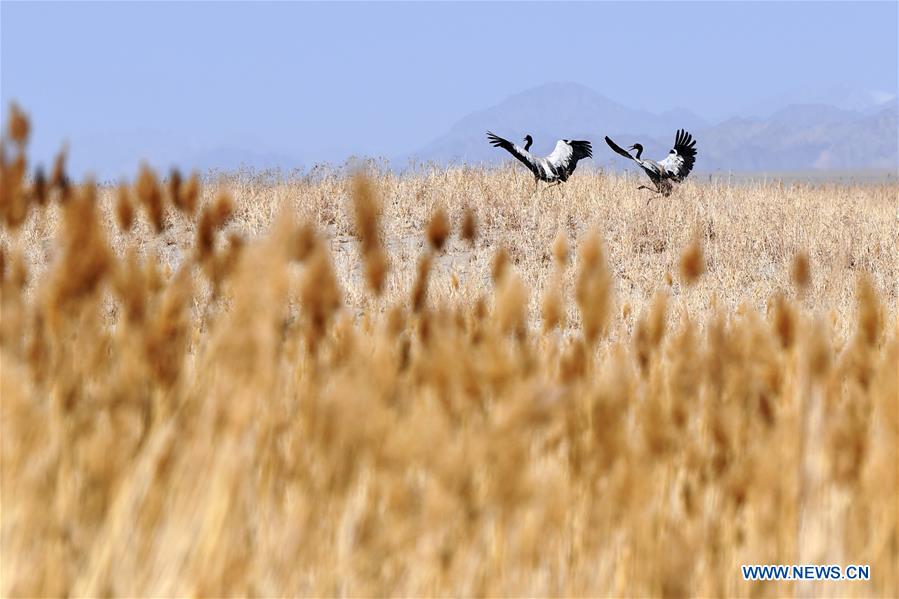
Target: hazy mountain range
795, 137
846, 131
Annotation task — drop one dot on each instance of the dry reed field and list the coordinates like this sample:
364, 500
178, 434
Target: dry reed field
441, 384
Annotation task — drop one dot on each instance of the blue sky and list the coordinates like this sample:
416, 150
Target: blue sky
321, 81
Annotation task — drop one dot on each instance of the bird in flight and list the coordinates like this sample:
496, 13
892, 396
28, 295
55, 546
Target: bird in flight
673, 169
555, 168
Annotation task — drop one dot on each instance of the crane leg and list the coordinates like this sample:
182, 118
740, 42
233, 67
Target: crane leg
656, 190
556, 184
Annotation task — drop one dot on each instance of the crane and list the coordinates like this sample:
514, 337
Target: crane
555, 168
673, 169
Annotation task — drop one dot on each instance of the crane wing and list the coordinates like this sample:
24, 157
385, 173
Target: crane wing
582, 149
561, 155
520, 153
565, 156
680, 160
618, 149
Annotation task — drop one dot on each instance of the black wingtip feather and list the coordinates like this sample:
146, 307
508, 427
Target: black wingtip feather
684, 142
582, 148
496, 141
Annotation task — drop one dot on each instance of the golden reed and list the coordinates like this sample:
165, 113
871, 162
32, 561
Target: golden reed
197, 400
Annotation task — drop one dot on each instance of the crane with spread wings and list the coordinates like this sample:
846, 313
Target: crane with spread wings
555, 168
673, 169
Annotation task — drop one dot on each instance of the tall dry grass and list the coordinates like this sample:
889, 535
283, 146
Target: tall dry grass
441, 384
